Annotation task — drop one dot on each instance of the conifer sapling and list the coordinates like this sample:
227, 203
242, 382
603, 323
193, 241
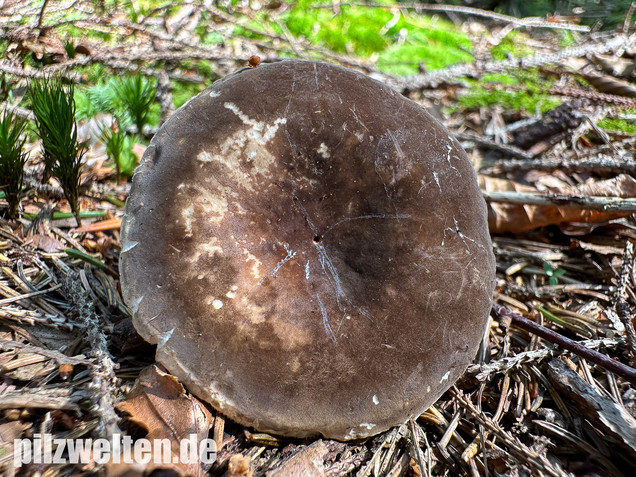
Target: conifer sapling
54, 109
12, 159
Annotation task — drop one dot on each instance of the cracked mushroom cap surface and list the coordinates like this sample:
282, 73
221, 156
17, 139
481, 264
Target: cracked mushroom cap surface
309, 250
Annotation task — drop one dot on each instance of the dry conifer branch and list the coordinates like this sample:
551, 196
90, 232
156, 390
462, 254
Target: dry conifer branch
626, 372
610, 416
26, 73
513, 151
485, 371
600, 163
453, 72
604, 204
103, 371
621, 306
18, 111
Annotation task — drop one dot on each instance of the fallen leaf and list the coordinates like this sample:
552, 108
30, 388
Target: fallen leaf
9, 432
159, 404
516, 218
239, 466
46, 243
308, 462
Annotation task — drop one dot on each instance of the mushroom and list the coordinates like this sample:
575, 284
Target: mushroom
309, 250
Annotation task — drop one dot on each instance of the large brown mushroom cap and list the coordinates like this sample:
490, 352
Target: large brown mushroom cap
309, 250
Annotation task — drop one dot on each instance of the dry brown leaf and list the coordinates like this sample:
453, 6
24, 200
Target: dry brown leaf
159, 404
47, 243
308, 462
516, 218
9, 432
239, 466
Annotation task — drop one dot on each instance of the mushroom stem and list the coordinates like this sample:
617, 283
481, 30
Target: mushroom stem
626, 372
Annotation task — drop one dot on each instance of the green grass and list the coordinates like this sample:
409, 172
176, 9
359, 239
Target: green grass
86, 214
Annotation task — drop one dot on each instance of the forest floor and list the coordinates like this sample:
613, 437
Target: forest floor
546, 110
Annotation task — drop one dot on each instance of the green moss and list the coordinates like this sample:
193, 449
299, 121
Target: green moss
205, 30
500, 78
567, 38
401, 42
519, 100
358, 30
530, 93
182, 92
627, 126
147, 7
205, 68
213, 38
514, 44
71, 31
92, 74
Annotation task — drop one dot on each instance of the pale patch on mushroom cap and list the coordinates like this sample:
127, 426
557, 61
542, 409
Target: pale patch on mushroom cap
312, 253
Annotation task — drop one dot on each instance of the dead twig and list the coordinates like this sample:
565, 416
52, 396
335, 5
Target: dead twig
511, 150
626, 372
621, 306
603, 204
452, 73
599, 163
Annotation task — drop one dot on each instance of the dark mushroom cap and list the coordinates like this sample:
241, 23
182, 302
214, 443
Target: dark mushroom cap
309, 250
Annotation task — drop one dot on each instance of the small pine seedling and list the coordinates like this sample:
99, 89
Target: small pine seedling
54, 109
115, 138
553, 273
136, 95
12, 159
